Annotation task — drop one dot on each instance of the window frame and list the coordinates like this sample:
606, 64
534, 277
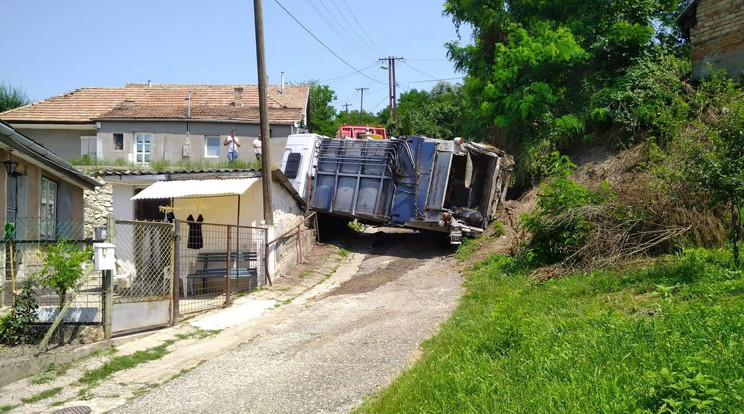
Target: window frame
144, 152
48, 225
121, 135
206, 145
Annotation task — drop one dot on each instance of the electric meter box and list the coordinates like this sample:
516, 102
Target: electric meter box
103, 256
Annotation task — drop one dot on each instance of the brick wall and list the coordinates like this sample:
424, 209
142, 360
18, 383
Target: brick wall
719, 29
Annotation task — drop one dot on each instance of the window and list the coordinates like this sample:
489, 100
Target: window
118, 142
48, 225
212, 147
142, 147
293, 164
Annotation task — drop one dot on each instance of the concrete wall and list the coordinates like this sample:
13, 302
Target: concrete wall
169, 139
69, 201
63, 142
718, 37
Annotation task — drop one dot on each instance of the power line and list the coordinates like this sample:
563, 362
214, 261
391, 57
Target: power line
361, 26
348, 23
348, 74
332, 26
434, 80
421, 71
348, 38
324, 45
353, 30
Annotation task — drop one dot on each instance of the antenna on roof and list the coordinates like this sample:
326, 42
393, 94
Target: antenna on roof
282, 89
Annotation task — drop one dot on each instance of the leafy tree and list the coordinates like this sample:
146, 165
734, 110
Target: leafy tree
62, 268
12, 97
534, 66
713, 148
322, 114
441, 112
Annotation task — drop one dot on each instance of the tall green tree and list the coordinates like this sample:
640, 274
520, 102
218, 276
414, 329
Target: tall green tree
441, 112
534, 65
322, 114
12, 97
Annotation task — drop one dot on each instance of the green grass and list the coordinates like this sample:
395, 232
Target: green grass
119, 363
7, 408
42, 395
668, 338
343, 252
466, 249
49, 373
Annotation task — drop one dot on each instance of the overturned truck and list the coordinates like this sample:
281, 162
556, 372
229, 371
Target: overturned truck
415, 182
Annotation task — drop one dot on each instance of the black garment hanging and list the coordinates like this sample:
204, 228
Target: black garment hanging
196, 238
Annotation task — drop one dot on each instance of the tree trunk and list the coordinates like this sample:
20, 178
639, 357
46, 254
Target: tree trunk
736, 231
61, 332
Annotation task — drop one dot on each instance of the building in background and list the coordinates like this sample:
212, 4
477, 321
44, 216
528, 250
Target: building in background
144, 123
716, 30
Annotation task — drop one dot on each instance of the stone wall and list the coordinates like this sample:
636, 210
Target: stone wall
718, 37
99, 205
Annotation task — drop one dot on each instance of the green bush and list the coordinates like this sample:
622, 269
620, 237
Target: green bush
16, 328
558, 226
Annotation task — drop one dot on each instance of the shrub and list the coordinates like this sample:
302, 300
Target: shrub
16, 328
558, 226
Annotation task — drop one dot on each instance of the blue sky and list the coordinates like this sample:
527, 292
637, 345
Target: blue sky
50, 47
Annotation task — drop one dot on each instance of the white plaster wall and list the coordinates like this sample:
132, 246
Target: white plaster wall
123, 204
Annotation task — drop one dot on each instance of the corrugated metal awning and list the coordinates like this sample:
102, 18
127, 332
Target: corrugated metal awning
195, 188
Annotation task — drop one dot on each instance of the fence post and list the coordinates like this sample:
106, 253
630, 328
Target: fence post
111, 229
229, 268
108, 283
108, 302
176, 294
299, 242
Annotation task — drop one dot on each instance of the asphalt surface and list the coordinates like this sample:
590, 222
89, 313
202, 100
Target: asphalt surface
337, 350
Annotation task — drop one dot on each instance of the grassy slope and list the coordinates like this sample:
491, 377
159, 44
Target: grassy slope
667, 337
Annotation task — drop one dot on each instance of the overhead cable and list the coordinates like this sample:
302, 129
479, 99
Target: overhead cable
324, 45
361, 26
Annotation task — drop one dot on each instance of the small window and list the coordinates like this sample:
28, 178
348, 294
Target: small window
118, 141
293, 165
212, 147
142, 148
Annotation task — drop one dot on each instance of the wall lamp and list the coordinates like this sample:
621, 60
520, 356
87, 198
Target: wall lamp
10, 165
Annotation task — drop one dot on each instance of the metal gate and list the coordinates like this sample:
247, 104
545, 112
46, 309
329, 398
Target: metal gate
215, 262
143, 282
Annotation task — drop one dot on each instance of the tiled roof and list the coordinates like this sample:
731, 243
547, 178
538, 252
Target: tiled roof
203, 112
143, 171
141, 101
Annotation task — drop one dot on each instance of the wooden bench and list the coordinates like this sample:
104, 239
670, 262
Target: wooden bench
242, 265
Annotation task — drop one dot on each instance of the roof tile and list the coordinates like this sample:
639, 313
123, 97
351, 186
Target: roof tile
140, 101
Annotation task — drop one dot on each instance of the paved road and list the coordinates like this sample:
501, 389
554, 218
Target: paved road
338, 349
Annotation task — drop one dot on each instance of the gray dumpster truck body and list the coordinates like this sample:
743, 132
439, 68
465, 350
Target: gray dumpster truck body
449, 186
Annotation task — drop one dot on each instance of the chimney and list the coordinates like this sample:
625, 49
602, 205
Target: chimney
149, 84
282, 89
239, 97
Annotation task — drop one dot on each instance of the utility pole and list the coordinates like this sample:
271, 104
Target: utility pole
361, 106
346, 107
263, 103
393, 105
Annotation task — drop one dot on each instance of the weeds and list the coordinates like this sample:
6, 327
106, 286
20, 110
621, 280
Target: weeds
7, 408
49, 373
466, 249
42, 395
580, 343
120, 363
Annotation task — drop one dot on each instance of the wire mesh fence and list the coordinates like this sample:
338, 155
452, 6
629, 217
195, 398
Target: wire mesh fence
143, 260
215, 262
38, 296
